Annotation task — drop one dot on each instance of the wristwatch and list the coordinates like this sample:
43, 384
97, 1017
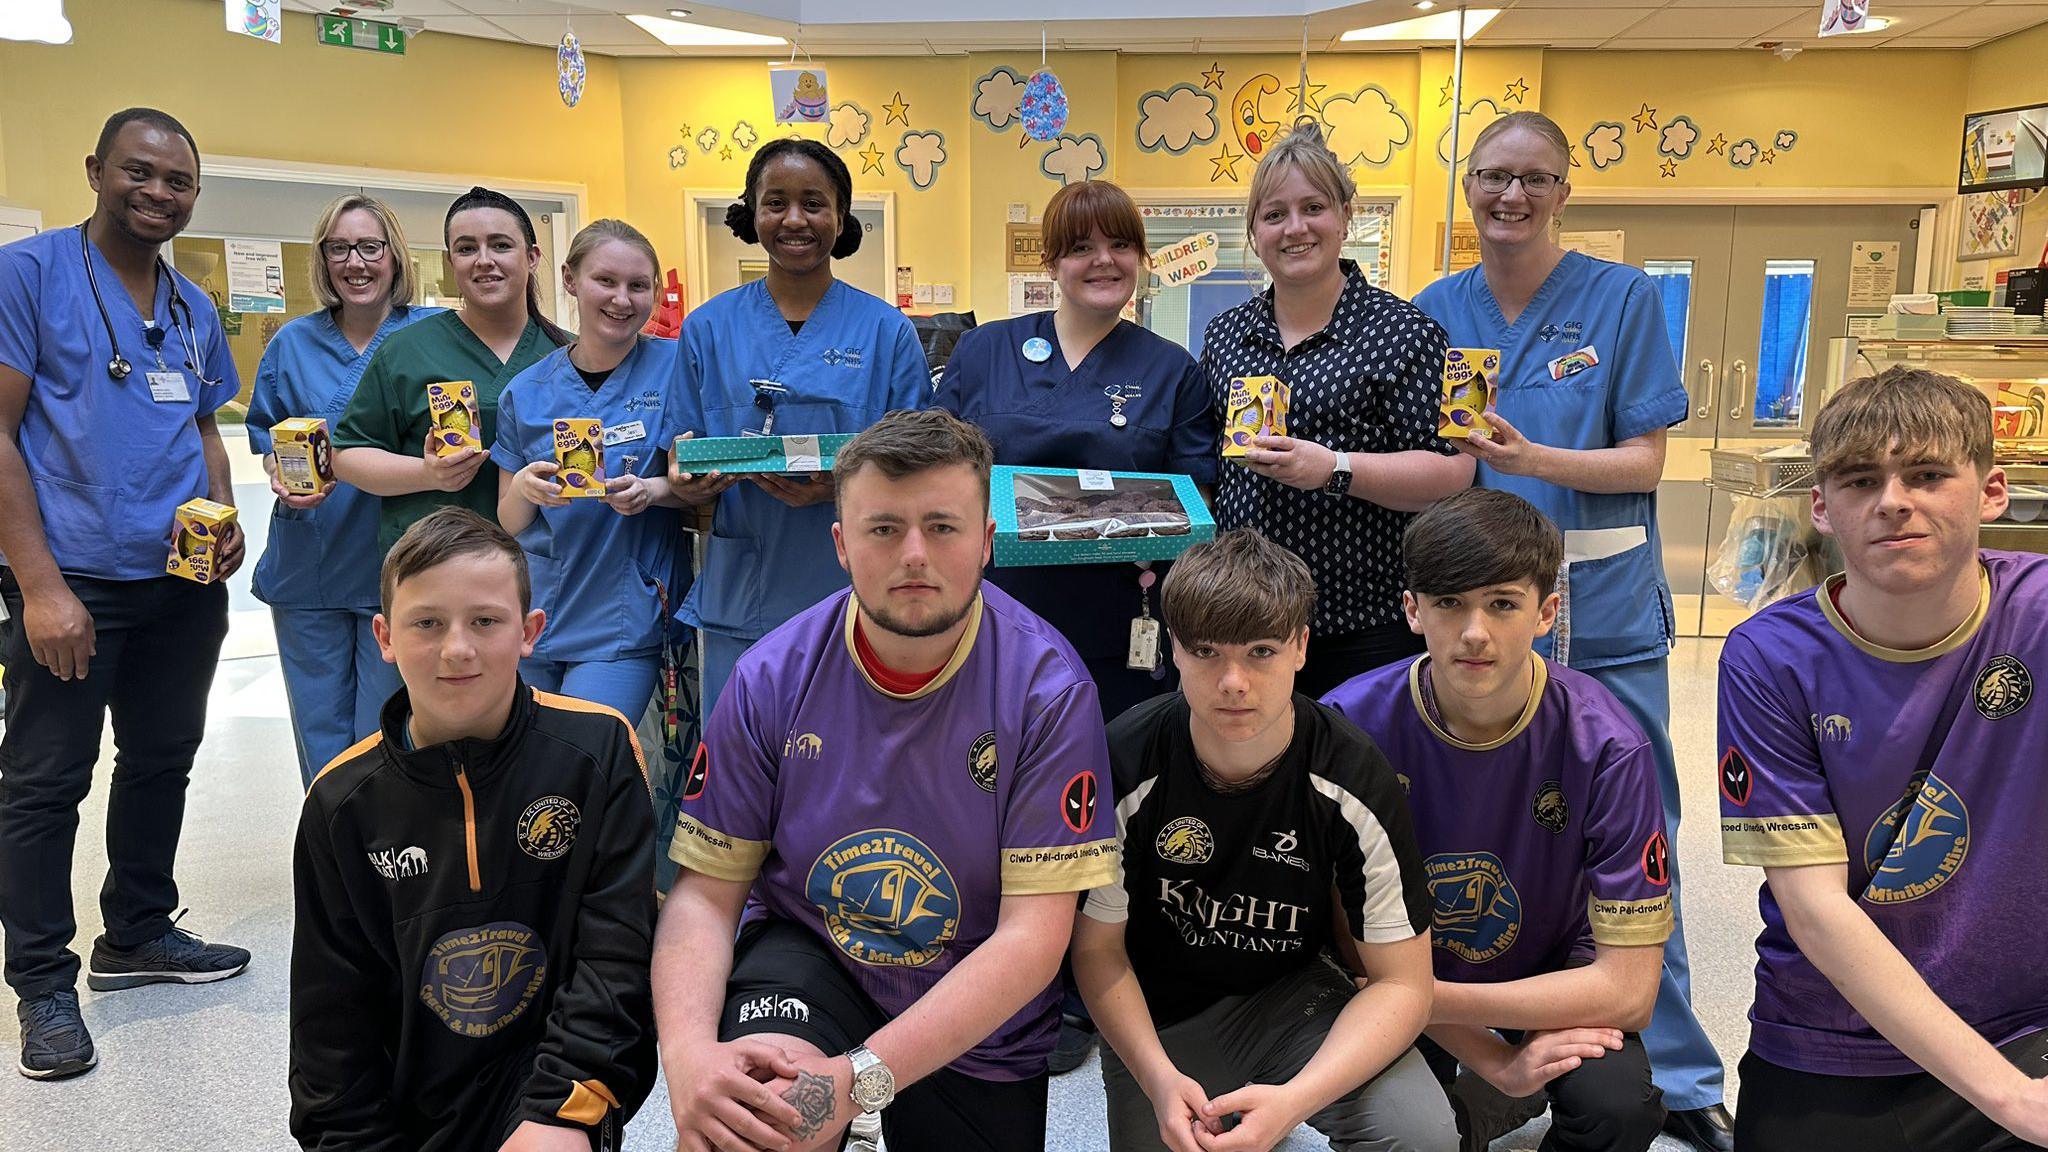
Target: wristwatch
874, 1086
1339, 483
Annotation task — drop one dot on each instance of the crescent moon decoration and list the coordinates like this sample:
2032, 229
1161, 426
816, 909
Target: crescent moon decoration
1248, 125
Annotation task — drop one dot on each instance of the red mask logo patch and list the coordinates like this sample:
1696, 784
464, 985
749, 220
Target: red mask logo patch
700, 770
1737, 782
1077, 802
1657, 860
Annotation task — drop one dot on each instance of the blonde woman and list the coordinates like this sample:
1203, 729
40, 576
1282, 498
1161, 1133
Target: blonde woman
1363, 366
318, 572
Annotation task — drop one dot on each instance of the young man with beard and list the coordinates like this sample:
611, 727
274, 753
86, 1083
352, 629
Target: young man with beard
898, 795
1882, 763
1535, 800
1260, 832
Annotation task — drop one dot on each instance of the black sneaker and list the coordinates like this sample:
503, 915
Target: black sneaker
176, 957
1077, 1039
54, 1042
1709, 1129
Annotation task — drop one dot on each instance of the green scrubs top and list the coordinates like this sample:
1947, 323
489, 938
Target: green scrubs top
389, 410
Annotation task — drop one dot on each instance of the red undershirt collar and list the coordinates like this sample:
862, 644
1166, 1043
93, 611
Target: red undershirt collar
889, 679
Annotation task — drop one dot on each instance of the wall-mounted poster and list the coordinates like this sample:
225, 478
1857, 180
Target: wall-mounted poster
798, 94
1991, 225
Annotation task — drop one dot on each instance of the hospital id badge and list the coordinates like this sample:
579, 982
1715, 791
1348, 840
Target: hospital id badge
168, 387
1144, 652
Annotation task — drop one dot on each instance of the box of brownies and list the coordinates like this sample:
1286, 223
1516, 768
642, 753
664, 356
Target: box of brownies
1064, 516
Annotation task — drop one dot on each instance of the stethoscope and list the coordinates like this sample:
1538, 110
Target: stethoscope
119, 367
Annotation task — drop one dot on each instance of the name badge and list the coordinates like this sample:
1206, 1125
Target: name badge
625, 433
1573, 363
168, 387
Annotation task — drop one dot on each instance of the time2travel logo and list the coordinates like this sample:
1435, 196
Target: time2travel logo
887, 898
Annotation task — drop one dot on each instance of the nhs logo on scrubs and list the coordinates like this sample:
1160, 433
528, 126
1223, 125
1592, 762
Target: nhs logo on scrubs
648, 401
847, 357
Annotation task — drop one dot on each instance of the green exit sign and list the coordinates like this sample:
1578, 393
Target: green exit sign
346, 32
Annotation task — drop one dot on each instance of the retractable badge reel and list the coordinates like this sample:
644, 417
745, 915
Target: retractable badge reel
1144, 652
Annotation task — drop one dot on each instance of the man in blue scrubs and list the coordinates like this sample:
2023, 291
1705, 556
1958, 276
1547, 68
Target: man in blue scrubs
111, 368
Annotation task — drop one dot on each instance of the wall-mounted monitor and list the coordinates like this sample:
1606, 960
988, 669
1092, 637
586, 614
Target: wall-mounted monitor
2005, 148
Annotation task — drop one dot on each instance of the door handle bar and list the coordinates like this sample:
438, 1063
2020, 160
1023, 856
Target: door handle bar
1706, 409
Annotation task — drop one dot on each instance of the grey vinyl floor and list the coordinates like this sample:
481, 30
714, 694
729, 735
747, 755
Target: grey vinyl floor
203, 1068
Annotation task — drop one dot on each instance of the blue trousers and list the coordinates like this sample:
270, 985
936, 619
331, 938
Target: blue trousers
335, 680
625, 686
1683, 1061
721, 652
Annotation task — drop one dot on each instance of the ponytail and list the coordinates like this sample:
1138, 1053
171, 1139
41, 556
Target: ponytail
480, 197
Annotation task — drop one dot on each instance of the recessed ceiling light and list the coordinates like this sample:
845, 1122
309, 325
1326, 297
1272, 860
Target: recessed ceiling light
677, 34
1441, 26
1424, 5
37, 20
680, 13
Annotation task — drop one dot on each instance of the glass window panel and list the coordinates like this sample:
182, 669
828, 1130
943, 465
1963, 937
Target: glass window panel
1180, 312
1674, 283
1781, 351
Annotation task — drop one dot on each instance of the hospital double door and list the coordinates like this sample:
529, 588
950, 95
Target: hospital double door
1752, 295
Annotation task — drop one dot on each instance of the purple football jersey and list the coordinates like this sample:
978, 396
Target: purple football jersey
892, 825
1921, 770
1535, 845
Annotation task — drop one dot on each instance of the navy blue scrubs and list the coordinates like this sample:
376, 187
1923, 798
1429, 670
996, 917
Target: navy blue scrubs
1042, 414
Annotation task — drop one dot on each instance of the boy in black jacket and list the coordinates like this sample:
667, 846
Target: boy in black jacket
475, 887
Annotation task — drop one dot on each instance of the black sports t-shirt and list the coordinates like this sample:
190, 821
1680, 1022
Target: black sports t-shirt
1222, 894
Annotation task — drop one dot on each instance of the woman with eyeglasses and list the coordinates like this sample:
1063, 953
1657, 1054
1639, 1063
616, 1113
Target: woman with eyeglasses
1587, 387
319, 567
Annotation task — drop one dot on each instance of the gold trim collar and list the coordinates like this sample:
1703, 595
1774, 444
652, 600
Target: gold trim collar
1949, 643
1540, 679
945, 674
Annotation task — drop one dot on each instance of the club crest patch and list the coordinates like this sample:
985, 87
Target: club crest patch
478, 980
547, 829
2003, 687
981, 762
1549, 808
1185, 841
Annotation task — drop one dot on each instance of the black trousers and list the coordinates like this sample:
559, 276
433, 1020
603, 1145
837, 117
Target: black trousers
157, 644
1785, 1110
1333, 659
1604, 1105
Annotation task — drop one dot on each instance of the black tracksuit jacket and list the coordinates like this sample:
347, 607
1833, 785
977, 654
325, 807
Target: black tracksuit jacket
473, 929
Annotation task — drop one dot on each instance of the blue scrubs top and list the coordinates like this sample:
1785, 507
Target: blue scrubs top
1041, 414
108, 463
855, 359
597, 574
323, 557
1620, 605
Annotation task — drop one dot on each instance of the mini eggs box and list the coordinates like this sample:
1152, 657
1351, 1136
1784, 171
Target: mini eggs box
1468, 379
1255, 406
579, 456
1068, 516
305, 455
742, 454
451, 407
196, 538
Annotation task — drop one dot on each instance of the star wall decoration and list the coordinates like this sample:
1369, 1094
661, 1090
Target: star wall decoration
1670, 169
1212, 76
1768, 156
1314, 101
1646, 120
1718, 146
1225, 163
1443, 96
870, 158
897, 109
1518, 92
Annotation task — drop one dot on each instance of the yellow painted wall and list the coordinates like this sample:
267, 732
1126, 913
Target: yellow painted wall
452, 104
662, 98
485, 110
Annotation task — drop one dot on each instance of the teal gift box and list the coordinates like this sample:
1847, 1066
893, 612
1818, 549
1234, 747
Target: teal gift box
1069, 516
740, 454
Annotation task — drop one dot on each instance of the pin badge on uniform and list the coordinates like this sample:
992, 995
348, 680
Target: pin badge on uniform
1038, 349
